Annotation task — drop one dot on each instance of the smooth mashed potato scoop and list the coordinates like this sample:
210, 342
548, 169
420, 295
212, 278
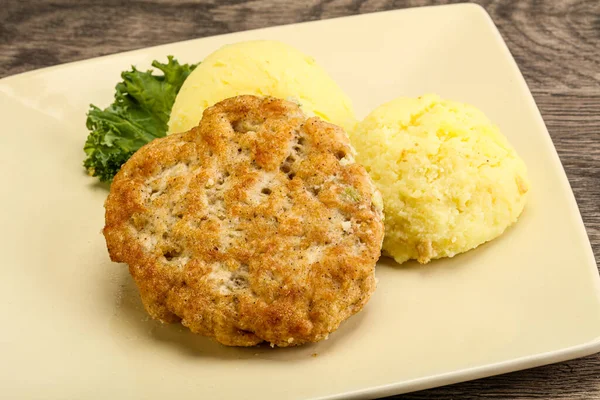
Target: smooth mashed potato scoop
260, 68
450, 180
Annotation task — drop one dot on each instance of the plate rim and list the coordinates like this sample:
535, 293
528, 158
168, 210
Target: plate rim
50, 68
473, 373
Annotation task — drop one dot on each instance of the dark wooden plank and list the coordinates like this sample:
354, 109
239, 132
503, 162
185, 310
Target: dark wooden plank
556, 44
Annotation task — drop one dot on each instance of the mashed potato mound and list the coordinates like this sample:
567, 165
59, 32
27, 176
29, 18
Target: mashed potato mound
259, 68
450, 180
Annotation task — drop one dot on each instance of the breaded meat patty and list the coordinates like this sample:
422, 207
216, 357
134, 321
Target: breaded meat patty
254, 226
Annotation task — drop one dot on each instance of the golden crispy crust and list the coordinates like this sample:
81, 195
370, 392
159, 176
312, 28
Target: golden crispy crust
254, 226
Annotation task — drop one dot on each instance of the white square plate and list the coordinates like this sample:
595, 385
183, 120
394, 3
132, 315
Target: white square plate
74, 326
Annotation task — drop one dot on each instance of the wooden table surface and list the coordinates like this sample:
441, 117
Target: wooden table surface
556, 45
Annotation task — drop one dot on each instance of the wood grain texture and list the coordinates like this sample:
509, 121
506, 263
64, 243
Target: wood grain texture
556, 45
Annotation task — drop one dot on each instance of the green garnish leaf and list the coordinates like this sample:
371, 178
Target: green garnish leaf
139, 114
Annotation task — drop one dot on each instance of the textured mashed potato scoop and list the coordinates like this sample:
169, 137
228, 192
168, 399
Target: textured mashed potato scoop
450, 180
261, 67
255, 226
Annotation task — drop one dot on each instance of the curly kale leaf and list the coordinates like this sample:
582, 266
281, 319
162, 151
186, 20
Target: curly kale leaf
139, 114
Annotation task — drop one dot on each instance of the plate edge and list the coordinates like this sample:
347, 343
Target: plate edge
473, 373
50, 68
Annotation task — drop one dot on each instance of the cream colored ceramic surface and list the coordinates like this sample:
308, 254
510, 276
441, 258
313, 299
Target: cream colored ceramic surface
73, 323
